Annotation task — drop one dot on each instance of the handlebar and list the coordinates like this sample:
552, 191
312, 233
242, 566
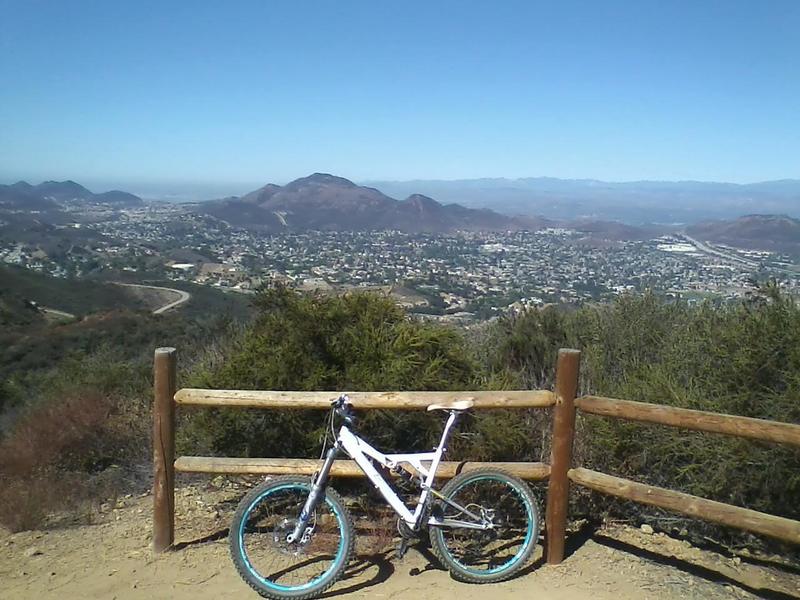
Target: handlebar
344, 408
340, 401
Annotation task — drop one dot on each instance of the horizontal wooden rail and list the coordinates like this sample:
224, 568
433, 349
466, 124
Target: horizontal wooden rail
693, 506
391, 400
341, 468
567, 382
698, 420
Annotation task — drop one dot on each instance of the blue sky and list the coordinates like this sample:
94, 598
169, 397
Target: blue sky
248, 92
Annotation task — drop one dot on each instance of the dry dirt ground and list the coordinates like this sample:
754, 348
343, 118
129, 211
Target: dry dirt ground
111, 559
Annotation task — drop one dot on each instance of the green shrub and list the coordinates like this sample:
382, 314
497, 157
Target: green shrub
356, 342
742, 358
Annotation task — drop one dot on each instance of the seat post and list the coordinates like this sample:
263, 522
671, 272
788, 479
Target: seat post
448, 426
440, 449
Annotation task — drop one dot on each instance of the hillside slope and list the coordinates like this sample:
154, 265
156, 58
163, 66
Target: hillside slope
326, 202
765, 232
76, 296
109, 315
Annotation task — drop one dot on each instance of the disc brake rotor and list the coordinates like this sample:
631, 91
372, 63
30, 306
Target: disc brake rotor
279, 541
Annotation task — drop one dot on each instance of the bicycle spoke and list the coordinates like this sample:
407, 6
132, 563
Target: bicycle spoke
484, 550
264, 543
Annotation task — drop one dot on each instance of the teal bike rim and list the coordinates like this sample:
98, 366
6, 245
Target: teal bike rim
285, 588
528, 534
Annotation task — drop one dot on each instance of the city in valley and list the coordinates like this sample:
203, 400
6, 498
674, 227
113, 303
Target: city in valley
461, 276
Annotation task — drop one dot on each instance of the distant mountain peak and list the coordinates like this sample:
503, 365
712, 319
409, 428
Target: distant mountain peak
421, 198
422, 202
258, 196
320, 179
63, 190
67, 183
322, 201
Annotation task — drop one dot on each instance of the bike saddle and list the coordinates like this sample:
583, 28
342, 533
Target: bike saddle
455, 405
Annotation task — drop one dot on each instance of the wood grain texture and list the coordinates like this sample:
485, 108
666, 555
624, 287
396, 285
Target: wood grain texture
567, 370
164, 372
698, 420
693, 506
362, 400
341, 468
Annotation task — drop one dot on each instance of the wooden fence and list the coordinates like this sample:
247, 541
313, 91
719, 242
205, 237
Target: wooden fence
560, 472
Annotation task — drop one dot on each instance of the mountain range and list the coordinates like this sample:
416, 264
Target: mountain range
54, 195
634, 202
326, 202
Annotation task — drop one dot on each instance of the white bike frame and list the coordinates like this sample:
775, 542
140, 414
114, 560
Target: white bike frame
361, 452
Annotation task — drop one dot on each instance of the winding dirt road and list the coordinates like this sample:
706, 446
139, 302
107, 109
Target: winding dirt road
57, 313
182, 295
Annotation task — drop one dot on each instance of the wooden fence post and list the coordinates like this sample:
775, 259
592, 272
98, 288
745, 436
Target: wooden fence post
567, 371
164, 370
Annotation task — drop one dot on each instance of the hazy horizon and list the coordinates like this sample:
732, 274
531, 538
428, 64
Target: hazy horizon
195, 191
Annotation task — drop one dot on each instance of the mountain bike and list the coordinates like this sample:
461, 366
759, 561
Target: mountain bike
292, 536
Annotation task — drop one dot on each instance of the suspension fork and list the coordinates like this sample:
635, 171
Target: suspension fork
314, 496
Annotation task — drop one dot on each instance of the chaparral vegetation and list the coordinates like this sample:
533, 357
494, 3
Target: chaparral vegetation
75, 428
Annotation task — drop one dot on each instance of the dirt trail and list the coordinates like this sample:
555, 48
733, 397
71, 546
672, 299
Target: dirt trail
111, 559
146, 292
57, 314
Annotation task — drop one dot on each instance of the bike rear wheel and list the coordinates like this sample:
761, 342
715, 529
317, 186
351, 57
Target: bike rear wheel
487, 556
276, 568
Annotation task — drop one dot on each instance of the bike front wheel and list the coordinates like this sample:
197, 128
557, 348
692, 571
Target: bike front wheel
490, 555
279, 569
